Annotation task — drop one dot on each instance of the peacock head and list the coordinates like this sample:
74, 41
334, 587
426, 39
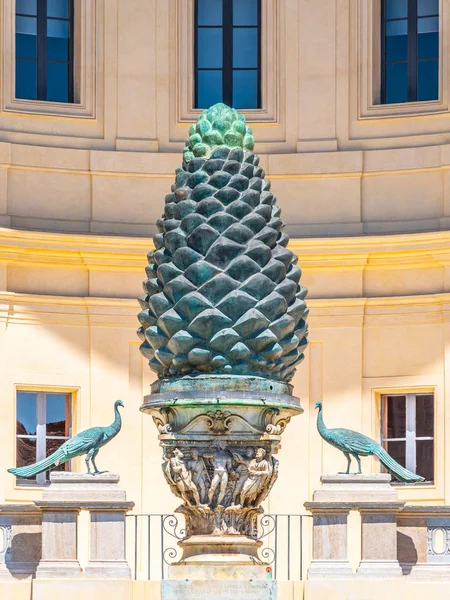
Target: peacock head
118, 403
318, 405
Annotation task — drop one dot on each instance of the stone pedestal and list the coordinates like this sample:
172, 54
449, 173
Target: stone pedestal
107, 551
61, 502
329, 540
59, 540
377, 502
379, 539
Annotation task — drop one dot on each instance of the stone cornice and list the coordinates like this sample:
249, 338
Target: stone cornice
426, 250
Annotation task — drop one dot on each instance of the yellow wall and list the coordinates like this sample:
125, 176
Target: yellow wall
364, 190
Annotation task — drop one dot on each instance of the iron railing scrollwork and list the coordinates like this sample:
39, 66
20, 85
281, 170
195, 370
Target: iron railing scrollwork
152, 543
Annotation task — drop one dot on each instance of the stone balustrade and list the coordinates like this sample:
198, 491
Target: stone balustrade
41, 539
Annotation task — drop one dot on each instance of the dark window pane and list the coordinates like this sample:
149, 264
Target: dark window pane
396, 416
52, 446
57, 45
428, 25
26, 413
425, 415
58, 8
209, 88
26, 86
396, 83
57, 82
245, 48
428, 45
245, 89
56, 414
209, 48
25, 45
425, 459
26, 451
398, 452
427, 7
396, 48
210, 12
245, 12
428, 80
26, 25
396, 9
26, 7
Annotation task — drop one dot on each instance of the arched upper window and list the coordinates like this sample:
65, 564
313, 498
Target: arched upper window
44, 50
409, 50
228, 53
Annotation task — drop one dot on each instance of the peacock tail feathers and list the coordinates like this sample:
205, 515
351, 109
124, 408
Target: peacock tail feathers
57, 458
394, 468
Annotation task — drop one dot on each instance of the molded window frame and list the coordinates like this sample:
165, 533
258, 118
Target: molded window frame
366, 21
86, 30
182, 65
412, 20
410, 438
41, 433
227, 29
41, 49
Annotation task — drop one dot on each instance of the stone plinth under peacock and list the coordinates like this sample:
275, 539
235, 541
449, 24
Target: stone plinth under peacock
223, 324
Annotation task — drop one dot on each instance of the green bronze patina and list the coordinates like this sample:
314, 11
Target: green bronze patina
220, 125
223, 294
87, 442
355, 444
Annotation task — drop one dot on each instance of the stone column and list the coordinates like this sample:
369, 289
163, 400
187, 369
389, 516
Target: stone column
107, 550
59, 540
379, 539
329, 540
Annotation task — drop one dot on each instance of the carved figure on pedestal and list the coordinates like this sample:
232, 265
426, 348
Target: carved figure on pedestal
180, 479
222, 463
196, 466
242, 472
259, 473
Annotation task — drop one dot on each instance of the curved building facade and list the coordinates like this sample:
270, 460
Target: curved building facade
361, 173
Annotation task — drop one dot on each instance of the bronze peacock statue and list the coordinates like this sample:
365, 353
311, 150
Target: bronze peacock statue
356, 444
87, 442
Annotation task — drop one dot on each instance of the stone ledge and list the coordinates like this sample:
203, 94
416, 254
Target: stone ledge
58, 505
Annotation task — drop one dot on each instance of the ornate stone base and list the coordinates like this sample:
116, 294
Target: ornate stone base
219, 557
218, 590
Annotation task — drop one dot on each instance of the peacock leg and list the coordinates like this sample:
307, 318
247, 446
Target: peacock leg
358, 460
93, 461
88, 458
349, 460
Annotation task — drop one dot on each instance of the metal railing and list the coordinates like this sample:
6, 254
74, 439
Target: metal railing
152, 544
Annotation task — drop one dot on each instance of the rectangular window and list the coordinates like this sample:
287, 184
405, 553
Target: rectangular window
43, 423
44, 50
409, 50
407, 431
227, 53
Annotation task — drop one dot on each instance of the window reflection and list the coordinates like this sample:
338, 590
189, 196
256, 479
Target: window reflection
410, 51
227, 53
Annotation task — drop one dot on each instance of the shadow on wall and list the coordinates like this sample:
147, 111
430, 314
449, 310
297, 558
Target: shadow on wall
24, 555
406, 552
